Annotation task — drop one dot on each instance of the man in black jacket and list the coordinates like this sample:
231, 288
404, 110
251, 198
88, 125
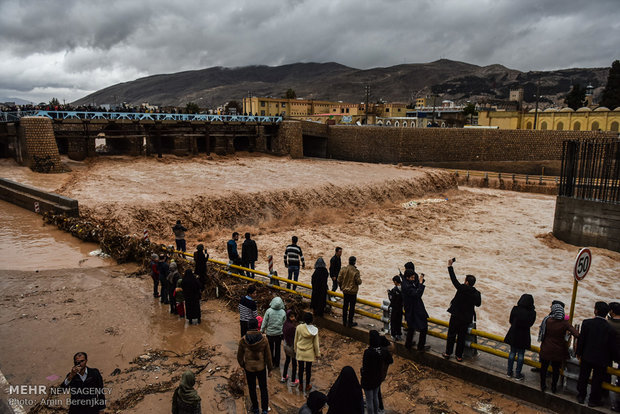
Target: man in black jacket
594, 350
249, 254
461, 312
396, 304
334, 268
231, 247
85, 386
179, 236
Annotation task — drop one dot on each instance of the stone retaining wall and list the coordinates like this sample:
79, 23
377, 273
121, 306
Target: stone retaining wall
419, 145
26, 196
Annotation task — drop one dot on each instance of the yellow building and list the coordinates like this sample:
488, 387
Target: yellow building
421, 102
391, 109
583, 119
297, 107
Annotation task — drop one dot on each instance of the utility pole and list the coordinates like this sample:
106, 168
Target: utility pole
434, 99
367, 88
537, 98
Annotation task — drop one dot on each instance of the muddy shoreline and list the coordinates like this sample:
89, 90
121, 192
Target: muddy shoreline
141, 349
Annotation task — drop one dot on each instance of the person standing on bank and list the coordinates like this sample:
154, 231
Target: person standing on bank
200, 262
522, 317
293, 257
335, 265
306, 349
415, 311
185, 399
233, 253
345, 395
85, 385
247, 309
191, 293
319, 287
172, 280
396, 309
461, 312
254, 357
273, 323
614, 321
164, 269
372, 369
249, 254
553, 347
288, 331
349, 281
155, 274
595, 350
179, 236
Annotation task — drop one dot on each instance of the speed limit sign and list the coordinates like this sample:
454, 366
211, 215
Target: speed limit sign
582, 264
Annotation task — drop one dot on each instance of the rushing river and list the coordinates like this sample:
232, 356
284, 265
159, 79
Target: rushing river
27, 243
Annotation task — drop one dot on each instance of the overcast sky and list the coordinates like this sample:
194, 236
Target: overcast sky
69, 48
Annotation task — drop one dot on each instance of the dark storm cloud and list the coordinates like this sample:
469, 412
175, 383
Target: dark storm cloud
87, 45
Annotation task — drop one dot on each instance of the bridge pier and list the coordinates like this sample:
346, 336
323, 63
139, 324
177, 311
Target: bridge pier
42, 151
221, 145
230, 144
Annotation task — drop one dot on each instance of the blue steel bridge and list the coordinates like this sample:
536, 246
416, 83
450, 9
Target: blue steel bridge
138, 116
135, 133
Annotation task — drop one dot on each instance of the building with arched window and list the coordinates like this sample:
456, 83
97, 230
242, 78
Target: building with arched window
583, 119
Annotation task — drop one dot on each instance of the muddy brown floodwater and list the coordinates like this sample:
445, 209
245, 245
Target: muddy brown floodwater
502, 237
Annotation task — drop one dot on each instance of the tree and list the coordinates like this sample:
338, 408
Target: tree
470, 109
54, 102
611, 93
290, 94
576, 98
192, 108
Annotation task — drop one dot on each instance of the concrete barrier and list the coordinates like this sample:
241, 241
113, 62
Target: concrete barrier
30, 197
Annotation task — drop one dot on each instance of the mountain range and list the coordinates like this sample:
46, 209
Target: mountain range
457, 81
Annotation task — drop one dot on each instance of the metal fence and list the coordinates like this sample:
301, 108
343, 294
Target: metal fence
591, 170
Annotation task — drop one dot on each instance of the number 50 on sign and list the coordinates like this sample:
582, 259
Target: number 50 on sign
582, 264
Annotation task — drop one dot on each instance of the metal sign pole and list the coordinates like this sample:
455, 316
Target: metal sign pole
573, 300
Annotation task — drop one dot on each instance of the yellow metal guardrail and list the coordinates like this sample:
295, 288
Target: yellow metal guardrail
376, 305
514, 177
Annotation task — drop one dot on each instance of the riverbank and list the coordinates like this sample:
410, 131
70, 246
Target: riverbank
141, 349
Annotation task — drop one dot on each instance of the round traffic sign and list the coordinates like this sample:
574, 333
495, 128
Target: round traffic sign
582, 264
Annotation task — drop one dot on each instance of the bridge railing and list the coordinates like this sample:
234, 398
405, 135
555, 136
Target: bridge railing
485, 342
137, 116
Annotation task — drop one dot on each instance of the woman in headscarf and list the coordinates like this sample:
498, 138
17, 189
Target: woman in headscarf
553, 348
314, 404
345, 396
522, 317
191, 293
185, 399
319, 287
200, 261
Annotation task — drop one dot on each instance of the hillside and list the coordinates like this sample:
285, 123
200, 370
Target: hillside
332, 81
